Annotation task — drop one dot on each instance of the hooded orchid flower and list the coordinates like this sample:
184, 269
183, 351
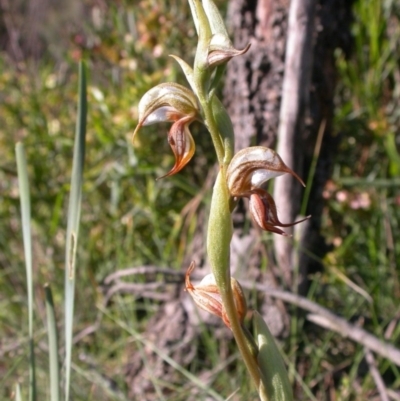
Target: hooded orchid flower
248, 170
221, 50
171, 102
206, 295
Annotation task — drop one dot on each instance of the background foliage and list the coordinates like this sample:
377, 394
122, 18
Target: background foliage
129, 219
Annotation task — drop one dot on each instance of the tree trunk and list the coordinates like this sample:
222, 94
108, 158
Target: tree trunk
254, 80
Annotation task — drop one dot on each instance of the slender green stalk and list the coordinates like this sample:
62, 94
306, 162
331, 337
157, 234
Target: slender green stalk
74, 210
240, 337
313, 167
213, 129
54, 370
26, 232
218, 247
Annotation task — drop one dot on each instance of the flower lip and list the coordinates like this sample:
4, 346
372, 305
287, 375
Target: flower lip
263, 211
182, 145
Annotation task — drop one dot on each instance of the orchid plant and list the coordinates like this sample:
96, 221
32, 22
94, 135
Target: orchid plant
240, 175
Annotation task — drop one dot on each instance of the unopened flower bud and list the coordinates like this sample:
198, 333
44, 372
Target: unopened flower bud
221, 51
220, 48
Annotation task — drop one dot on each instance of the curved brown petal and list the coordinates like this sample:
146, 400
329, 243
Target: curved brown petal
263, 211
182, 144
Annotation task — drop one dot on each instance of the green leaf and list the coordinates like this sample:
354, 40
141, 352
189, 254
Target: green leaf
74, 211
201, 71
187, 70
393, 154
193, 9
54, 370
274, 375
23, 185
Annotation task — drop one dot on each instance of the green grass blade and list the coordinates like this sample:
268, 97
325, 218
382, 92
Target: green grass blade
313, 168
23, 185
53, 346
74, 210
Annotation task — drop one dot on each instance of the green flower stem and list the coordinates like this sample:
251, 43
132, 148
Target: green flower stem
218, 122
242, 342
218, 248
202, 74
220, 224
225, 128
214, 131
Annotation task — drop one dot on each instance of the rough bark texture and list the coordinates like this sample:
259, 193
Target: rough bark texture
254, 80
253, 93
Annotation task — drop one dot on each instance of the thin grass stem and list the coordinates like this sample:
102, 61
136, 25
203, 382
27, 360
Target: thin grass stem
74, 210
23, 184
54, 370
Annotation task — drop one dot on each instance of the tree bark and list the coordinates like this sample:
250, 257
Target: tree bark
254, 80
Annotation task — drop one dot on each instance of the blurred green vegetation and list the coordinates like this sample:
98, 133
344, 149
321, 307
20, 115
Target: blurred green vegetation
130, 219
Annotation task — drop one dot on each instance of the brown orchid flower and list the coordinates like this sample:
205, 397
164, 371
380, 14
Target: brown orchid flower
248, 170
206, 295
171, 102
221, 50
